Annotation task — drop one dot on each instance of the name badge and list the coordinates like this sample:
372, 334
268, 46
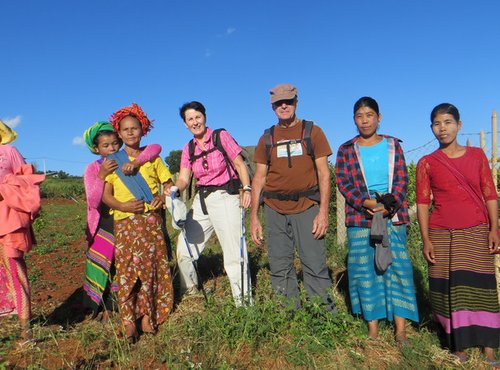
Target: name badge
295, 148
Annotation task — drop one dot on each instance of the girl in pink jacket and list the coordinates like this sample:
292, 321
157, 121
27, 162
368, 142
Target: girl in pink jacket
101, 139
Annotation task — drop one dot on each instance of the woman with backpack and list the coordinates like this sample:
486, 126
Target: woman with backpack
460, 237
213, 157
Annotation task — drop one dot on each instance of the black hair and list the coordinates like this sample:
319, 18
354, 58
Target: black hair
366, 101
445, 108
197, 106
105, 133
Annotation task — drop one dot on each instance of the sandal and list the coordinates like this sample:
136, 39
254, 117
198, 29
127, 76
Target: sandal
26, 344
402, 341
131, 333
146, 327
462, 357
494, 363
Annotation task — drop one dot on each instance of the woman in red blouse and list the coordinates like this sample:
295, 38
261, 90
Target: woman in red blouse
460, 237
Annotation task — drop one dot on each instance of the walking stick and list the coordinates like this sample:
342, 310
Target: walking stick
181, 224
242, 246
242, 258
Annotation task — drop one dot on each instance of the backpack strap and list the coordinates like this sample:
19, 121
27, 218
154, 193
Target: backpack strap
269, 142
218, 145
306, 137
216, 140
193, 157
191, 151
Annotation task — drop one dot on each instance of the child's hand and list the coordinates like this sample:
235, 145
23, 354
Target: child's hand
108, 166
129, 168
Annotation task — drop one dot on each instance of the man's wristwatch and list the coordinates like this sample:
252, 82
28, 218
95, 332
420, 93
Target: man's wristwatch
247, 188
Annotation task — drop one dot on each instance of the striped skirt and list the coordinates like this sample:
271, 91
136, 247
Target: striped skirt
462, 287
98, 272
7, 304
14, 284
378, 295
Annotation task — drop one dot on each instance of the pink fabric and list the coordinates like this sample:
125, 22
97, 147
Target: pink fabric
15, 243
453, 206
7, 304
20, 204
18, 285
94, 187
216, 173
10, 160
469, 318
21, 200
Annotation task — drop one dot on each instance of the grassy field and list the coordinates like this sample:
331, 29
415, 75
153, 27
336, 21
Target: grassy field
213, 335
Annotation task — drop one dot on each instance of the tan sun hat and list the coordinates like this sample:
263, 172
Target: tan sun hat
7, 135
283, 92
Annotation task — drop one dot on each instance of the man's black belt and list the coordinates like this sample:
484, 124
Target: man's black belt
312, 193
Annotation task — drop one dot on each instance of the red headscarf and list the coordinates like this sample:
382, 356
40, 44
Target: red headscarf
135, 111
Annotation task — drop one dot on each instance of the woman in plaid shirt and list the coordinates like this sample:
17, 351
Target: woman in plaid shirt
367, 165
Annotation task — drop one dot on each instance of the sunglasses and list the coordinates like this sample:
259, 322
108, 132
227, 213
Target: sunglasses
204, 163
285, 101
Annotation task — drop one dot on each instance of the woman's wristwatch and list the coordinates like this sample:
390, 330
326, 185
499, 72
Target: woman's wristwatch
247, 188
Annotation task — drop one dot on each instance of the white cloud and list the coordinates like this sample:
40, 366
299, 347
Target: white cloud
229, 31
78, 140
12, 122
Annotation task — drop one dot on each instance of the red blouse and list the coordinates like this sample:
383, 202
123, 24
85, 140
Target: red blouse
453, 206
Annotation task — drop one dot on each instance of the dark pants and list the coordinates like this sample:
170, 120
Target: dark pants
283, 232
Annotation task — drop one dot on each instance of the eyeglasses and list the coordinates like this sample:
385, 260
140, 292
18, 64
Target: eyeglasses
286, 101
205, 162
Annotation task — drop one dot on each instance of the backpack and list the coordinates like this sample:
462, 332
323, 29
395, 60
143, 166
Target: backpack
305, 137
234, 185
312, 193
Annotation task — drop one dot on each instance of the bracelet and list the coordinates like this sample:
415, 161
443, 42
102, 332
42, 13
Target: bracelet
247, 188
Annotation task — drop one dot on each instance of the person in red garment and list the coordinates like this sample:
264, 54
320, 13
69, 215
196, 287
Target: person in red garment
460, 237
19, 205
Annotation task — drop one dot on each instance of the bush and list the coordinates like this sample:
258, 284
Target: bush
69, 188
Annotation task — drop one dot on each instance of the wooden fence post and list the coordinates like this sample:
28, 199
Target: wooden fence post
341, 229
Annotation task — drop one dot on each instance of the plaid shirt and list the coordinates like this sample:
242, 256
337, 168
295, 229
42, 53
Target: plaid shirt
351, 181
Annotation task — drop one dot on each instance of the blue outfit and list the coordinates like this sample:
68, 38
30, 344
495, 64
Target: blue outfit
380, 295
374, 158
375, 295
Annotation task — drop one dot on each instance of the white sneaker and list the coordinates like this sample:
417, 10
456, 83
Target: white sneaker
192, 292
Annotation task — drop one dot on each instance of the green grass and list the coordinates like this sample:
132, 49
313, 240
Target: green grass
69, 188
57, 226
219, 335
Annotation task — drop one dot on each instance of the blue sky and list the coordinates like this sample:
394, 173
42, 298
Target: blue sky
66, 64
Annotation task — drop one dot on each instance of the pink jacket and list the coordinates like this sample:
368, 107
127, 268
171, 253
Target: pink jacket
21, 199
94, 187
